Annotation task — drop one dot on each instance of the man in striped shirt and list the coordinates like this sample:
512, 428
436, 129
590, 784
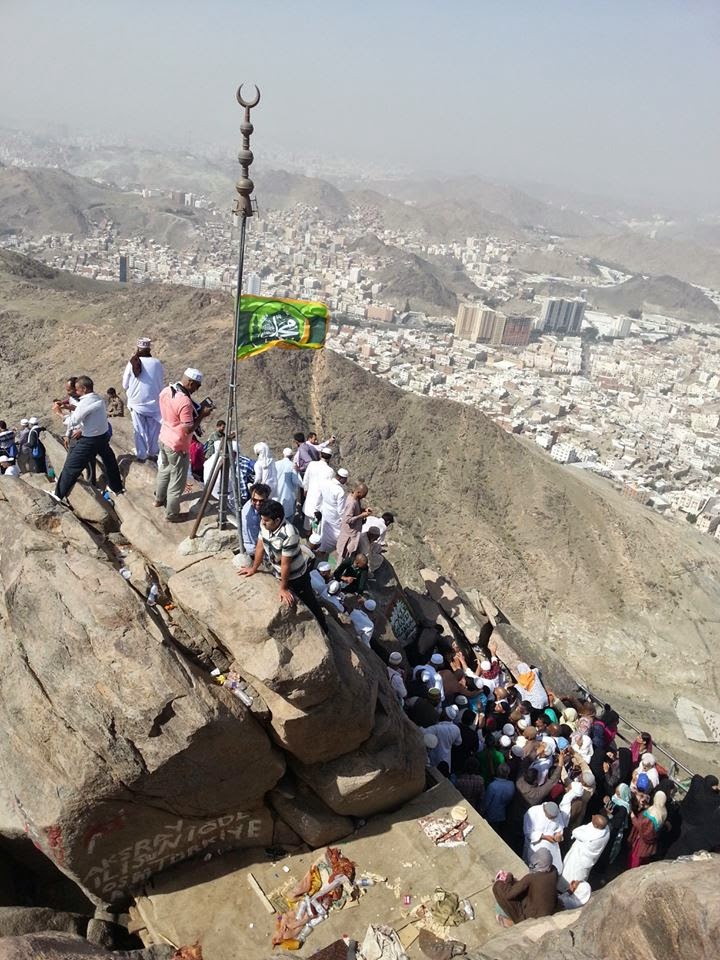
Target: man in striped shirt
280, 543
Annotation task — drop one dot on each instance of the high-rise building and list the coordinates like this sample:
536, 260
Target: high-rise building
516, 331
123, 273
254, 285
559, 315
474, 322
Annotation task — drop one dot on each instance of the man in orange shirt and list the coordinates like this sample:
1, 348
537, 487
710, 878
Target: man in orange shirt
179, 421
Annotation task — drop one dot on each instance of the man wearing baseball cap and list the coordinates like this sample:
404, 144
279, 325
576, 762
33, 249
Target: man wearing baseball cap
180, 419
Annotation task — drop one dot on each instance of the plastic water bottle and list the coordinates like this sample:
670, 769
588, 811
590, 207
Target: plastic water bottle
153, 595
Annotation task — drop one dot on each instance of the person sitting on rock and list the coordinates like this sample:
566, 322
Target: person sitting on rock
250, 516
530, 897
115, 406
280, 543
353, 573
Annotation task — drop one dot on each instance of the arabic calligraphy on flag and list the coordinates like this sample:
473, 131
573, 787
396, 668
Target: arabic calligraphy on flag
266, 322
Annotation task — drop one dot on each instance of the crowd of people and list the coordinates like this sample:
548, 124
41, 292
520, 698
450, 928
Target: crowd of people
548, 772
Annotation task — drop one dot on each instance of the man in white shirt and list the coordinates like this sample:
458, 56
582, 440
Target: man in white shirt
448, 736
142, 381
8, 467
321, 580
381, 524
315, 474
90, 416
333, 494
361, 622
395, 676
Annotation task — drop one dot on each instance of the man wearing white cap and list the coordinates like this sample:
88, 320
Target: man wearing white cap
36, 447
8, 467
315, 473
544, 827
448, 736
430, 673
179, 422
333, 494
322, 582
363, 625
142, 382
288, 483
395, 676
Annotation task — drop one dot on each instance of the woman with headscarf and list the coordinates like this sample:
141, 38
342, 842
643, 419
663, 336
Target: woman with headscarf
265, 470
604, 730
582, 745
640, 745
569, 717
531, 686
544, 759
643, 838
617, 808
700, 824
534, 895
649, 768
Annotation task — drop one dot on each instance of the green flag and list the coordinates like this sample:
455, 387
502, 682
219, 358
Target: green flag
266, 322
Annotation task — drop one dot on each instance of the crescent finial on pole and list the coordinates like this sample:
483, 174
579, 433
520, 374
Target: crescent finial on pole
248, 103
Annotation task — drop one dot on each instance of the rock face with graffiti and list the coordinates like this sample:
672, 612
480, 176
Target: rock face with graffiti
120, 755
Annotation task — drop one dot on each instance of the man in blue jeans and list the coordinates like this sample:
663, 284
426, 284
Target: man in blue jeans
89, 416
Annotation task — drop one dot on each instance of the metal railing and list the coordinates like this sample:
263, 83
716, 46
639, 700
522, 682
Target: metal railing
675, 764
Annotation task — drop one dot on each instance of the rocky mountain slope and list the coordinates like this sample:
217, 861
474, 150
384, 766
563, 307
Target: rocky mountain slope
611, 587
666, 295
36, 201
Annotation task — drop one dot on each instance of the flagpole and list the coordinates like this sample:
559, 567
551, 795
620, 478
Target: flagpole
243, 209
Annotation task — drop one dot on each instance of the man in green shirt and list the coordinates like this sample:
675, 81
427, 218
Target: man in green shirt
353, 573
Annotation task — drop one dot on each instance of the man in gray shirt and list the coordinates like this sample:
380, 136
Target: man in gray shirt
90, 416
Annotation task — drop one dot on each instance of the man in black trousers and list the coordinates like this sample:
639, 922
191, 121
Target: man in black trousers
89, 416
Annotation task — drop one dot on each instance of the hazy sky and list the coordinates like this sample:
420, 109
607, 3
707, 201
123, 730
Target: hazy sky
598, 95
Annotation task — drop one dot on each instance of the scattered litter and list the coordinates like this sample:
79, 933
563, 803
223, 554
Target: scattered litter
125, 573
446, 831
286, 869
381, 943
438, 949
153, 595
446, 908
330, 884
188, 953
235, 684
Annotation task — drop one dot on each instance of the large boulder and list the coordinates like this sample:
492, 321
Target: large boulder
65, 946
384, 772
16, 921
121, 758
319, 690
663, 911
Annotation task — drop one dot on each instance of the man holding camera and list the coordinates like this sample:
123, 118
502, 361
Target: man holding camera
180, 418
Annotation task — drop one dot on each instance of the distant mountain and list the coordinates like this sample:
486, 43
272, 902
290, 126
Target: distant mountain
432, 285
637, 253
39, 201
666, 295
468, 199
280, 190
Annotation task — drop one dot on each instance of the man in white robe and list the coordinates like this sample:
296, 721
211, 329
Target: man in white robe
362, 624
395, 675
321, 581
316, 472
589, 841
544, 826
333, 494
288, 483
142, 381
